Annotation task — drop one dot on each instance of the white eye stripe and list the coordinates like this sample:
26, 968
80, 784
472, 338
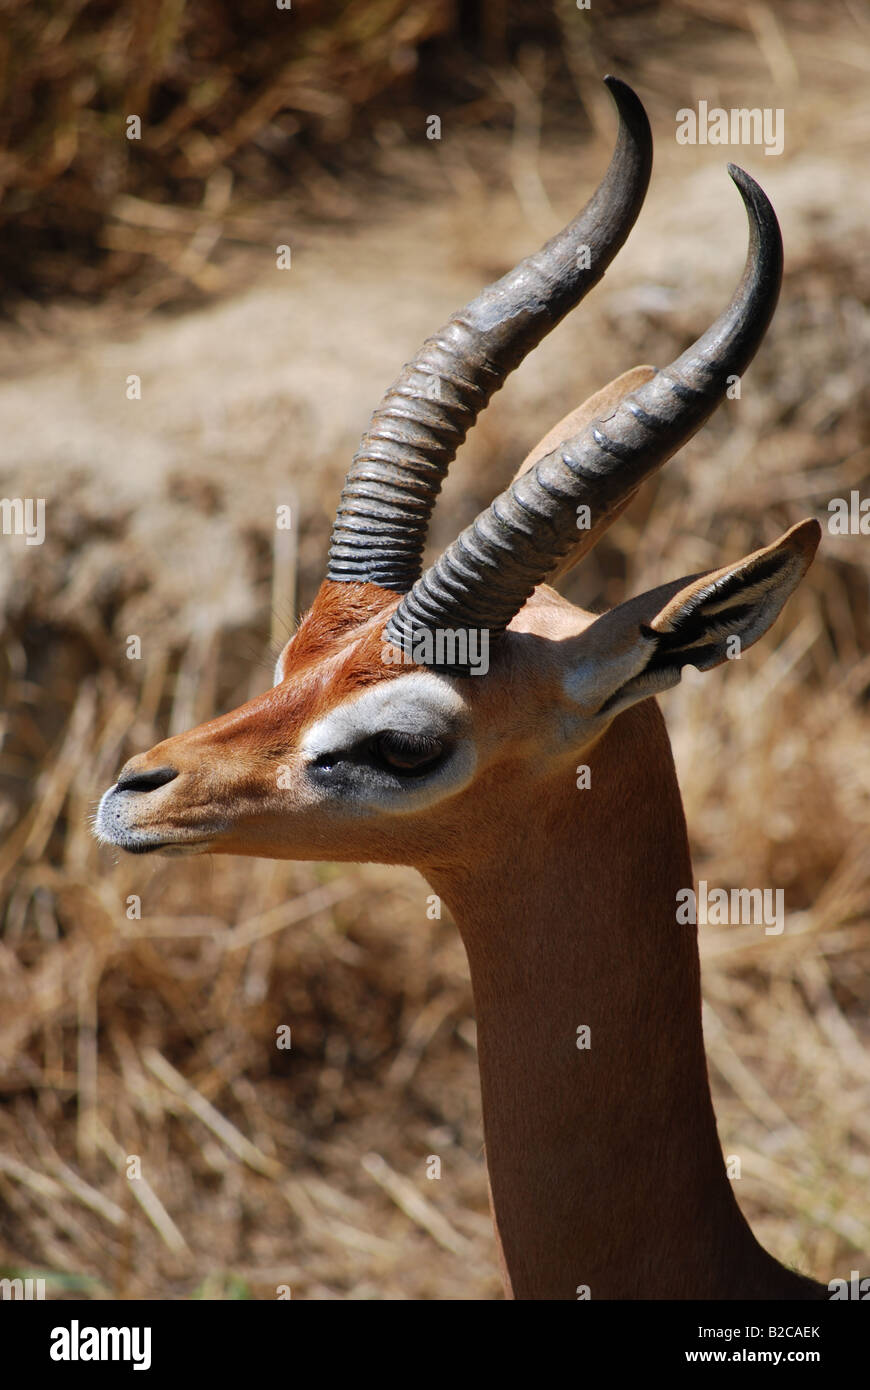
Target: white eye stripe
419, 703
278, 675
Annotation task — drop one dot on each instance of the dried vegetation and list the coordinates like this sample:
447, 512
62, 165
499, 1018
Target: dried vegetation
155, 1036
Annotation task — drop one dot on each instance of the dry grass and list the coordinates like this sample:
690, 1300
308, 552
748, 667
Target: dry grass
230, 99
155, 1036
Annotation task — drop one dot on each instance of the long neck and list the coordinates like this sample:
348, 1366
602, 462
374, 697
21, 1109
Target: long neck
604, 1162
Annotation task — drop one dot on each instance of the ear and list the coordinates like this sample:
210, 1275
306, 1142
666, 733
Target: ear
641, 647
598, 407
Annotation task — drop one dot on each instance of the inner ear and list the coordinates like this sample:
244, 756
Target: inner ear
698, 629
641, 647
716, 615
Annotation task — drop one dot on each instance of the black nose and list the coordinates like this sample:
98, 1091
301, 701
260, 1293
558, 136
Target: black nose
145, 781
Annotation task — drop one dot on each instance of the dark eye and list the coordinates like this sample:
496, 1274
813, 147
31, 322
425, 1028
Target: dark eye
409, 754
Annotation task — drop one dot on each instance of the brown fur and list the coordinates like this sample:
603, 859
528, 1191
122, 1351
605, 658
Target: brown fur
605, 1167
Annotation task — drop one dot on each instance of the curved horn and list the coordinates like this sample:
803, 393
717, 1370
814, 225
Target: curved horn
487, 574
397, 472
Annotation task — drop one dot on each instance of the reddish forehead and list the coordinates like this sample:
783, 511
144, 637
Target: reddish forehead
338, 615
338, 647
341, 616
337, 651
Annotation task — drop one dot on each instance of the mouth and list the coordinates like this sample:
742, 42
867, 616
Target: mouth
133, 843
170, 847
112, 827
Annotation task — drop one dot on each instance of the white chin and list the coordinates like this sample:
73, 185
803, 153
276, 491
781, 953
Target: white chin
111, 828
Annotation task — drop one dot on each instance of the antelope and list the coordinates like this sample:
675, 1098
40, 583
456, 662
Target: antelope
375, 744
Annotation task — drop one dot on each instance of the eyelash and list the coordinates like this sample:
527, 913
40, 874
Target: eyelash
420, 750
421, 753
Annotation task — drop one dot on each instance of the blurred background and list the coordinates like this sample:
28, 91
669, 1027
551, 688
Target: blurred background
139, 998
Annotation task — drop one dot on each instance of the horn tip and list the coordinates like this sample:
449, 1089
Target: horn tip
627, 101
635, 135
749, 190
762, 218
616, 84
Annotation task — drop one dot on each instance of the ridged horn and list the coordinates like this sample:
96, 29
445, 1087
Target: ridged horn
396, 474
487, 574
